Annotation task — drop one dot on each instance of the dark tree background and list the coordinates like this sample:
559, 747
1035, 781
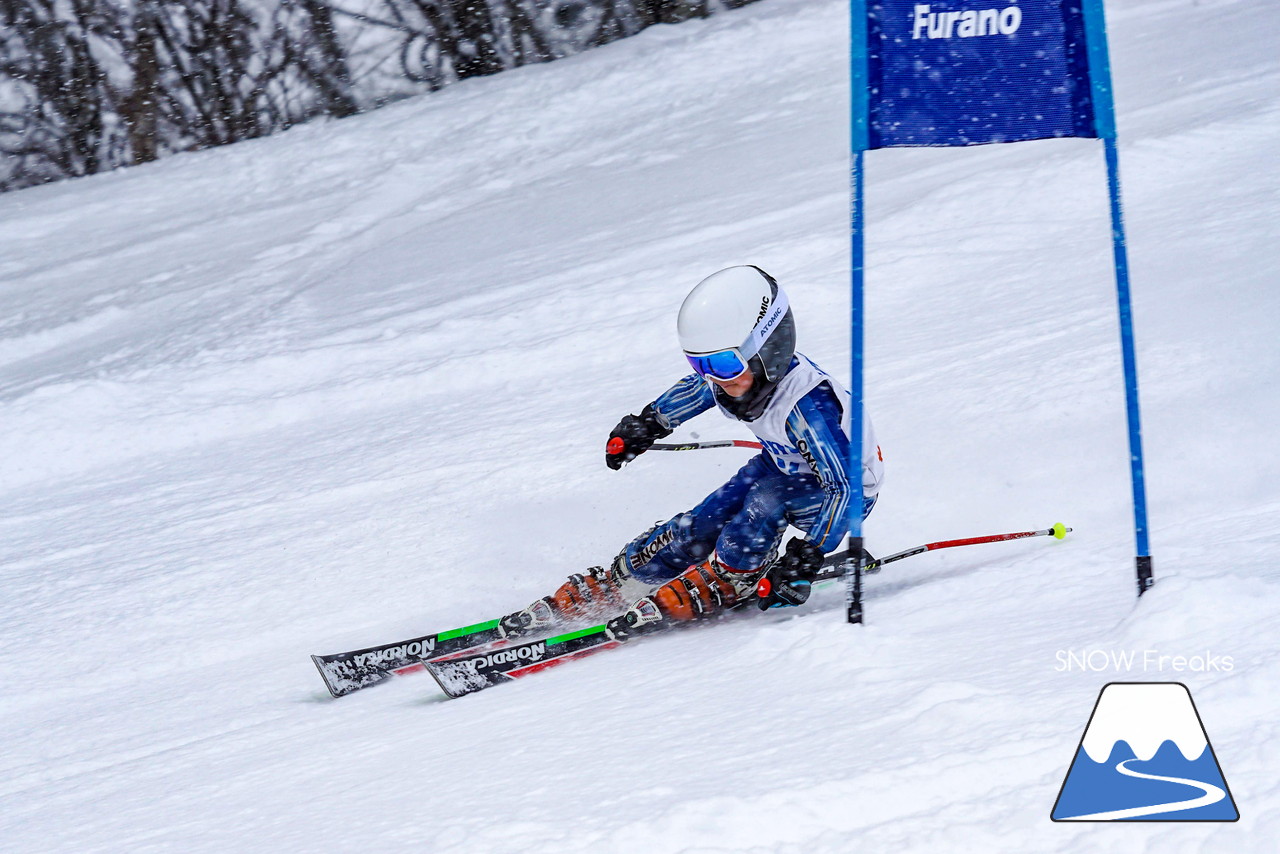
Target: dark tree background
90, 85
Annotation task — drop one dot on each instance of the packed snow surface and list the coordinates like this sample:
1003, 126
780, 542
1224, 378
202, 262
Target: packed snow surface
352, 384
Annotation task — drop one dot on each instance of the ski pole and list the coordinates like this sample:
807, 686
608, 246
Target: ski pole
617, 445
833, 564
714, 443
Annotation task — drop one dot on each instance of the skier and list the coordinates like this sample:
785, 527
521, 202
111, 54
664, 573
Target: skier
737, 331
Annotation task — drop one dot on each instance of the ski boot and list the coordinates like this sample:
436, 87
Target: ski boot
703, 590
590, 595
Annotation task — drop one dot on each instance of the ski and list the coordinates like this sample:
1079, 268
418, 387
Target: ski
467, 672
347, 672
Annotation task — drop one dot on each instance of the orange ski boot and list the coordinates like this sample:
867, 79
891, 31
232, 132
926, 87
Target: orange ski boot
702, 590
591, 595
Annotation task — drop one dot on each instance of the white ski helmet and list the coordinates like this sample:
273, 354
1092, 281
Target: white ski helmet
739, 309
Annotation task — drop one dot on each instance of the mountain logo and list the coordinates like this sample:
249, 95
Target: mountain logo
1145, 756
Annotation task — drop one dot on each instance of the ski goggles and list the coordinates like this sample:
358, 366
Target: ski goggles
730, 363
723, 365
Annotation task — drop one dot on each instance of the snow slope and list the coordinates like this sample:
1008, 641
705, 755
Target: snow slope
352, 384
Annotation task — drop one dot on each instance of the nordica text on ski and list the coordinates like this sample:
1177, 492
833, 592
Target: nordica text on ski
533, 652
395, 653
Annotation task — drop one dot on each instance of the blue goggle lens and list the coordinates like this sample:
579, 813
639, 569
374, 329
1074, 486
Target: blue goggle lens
722, 365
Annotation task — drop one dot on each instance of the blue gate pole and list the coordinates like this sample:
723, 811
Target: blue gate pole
853, 579
1105, 124
858, 142
1143, 560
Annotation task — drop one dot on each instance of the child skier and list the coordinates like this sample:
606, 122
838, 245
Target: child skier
737, 331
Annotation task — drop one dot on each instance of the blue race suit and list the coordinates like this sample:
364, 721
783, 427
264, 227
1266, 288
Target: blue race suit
800, 479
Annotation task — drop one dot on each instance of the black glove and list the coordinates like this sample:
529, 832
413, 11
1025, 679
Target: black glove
788, 581
634, 435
